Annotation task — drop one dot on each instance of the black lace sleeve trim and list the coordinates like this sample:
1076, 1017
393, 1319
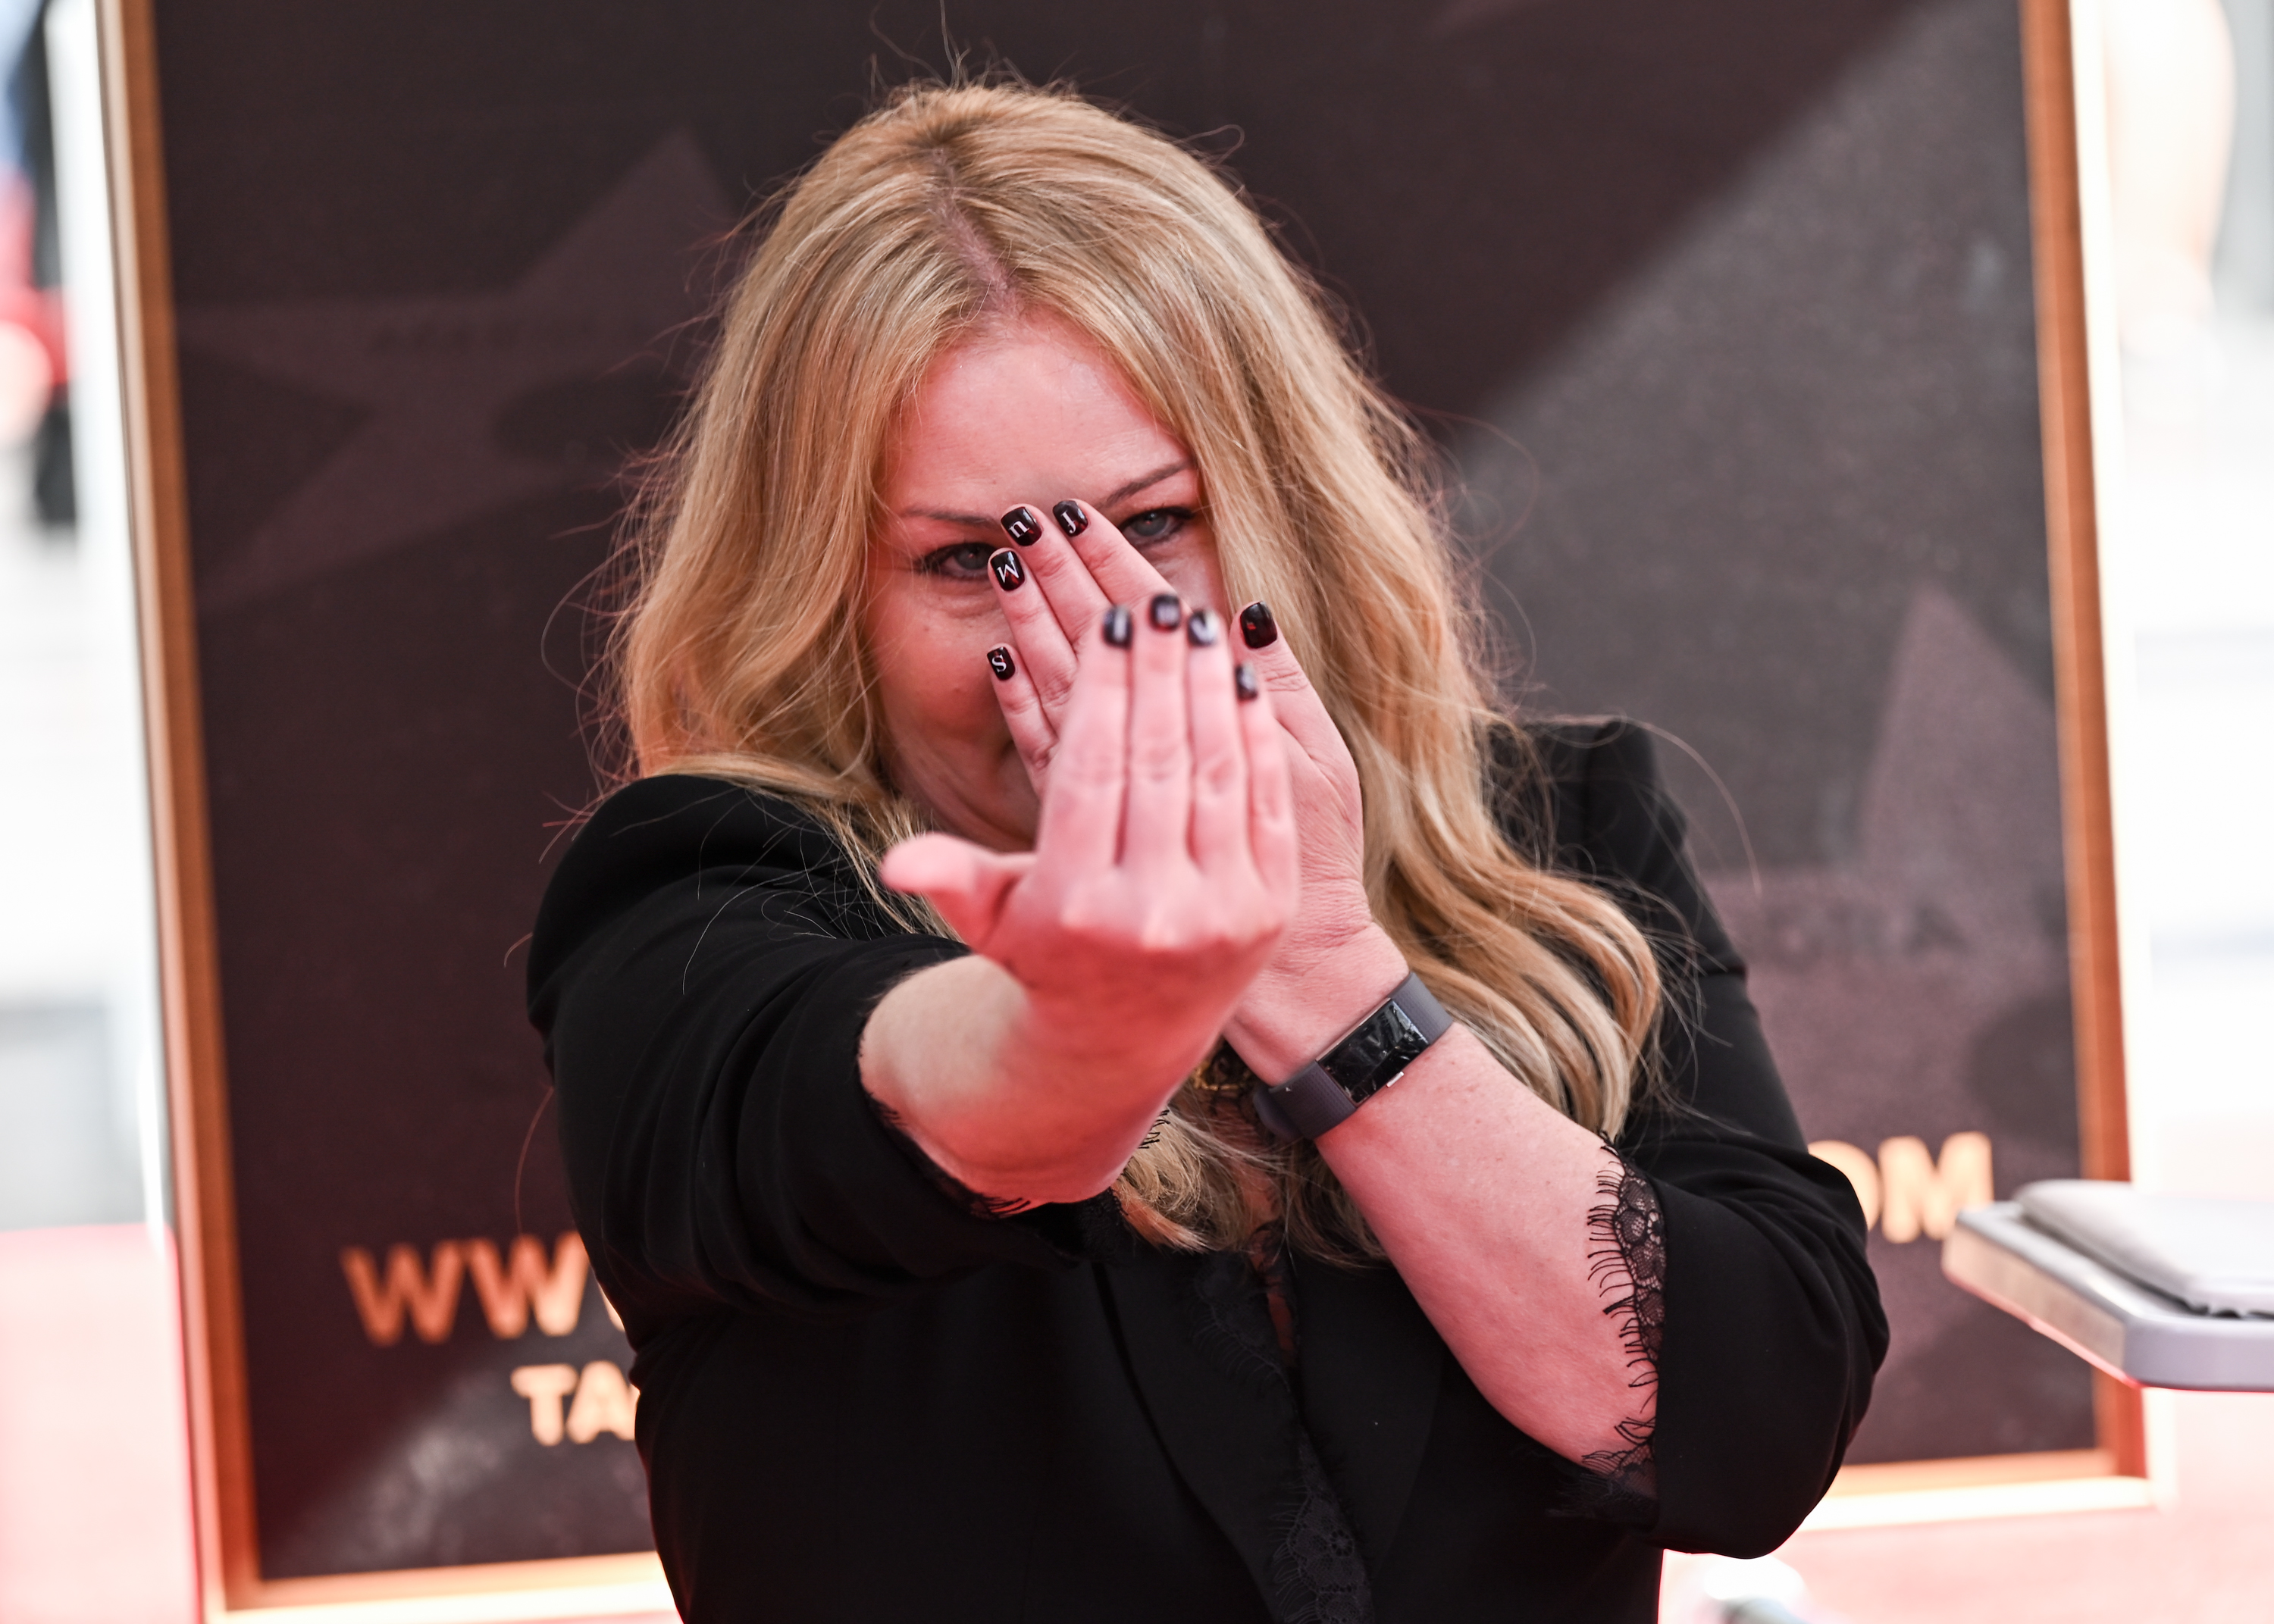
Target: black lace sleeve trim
1626, 1261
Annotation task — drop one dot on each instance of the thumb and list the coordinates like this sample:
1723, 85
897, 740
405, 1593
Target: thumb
967, 883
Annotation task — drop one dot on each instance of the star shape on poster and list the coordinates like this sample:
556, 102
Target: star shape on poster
434, 375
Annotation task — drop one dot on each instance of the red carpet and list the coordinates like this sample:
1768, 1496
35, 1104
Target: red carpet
95, 1471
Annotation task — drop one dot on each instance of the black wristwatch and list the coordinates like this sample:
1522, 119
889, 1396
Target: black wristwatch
1324, 1094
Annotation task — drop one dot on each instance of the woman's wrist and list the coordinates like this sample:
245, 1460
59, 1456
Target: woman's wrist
1304, 1002
974, 1070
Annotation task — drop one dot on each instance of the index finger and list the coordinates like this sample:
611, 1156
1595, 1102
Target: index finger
1124, 574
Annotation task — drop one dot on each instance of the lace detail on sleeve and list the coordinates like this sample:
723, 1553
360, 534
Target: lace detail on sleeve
1628, 1264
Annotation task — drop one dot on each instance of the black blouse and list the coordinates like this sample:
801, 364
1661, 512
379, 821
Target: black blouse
863, 1400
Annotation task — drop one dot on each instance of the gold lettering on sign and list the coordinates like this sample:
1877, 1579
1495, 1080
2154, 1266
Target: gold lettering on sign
523, 1282
603, 1402
606, 1403
545, 1386
1920, 1194
1906, 1192
1862, 1171
512, 1287
431, 1294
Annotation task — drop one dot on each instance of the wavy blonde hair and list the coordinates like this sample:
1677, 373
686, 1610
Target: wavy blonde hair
955, 206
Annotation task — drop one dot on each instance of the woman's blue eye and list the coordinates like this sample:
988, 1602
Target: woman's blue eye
967, 560
1155, 524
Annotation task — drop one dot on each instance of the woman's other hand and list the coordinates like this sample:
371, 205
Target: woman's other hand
1333, 964
1081, 564
1164, 871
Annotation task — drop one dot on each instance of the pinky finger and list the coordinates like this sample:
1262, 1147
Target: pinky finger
1023, 714
1270, 792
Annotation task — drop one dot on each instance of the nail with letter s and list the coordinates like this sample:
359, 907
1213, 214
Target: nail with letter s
1010, 574
999, 662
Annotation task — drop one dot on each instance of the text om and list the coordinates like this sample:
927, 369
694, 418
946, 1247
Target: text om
1906, 1192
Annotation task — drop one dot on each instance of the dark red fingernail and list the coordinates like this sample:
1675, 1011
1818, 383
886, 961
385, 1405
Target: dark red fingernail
1257, 629
1070, 518
1244, 682
998, 661
1118, 626
1203, 628
1022, 526
1165, 611
1010, 574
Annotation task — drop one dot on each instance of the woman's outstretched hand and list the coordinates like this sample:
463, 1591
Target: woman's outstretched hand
1108, 960
1332, 963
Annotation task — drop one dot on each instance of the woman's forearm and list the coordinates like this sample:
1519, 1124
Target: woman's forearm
977, 1075
1481, 1193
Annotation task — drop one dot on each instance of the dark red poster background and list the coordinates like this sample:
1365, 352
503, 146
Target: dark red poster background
1723, 311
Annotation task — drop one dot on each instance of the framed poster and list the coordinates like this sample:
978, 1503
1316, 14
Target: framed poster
1763, 385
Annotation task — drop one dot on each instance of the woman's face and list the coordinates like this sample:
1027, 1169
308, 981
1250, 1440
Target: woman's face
1027, 416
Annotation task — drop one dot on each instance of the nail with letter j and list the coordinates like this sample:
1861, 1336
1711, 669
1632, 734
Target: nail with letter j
1257, 629
998, 661
1118, 626
1165, 611
1070, 518
1243, 681
1010, 574
1203, 628
1022, 527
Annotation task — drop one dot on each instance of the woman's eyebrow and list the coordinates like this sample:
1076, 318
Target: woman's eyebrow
1143, 482
976, 520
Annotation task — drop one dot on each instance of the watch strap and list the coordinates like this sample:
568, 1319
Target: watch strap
1325, 1094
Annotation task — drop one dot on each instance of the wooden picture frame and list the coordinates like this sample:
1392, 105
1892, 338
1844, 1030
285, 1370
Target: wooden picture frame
2067, 366
2113, 1473
230, 1579
197, 1069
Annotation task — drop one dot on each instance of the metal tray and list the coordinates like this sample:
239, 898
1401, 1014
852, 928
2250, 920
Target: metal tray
2134, 1334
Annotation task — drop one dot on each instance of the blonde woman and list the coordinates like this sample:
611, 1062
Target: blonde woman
1097, 1099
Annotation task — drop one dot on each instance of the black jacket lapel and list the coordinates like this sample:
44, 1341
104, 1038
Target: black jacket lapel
1222, 1410
1368, 1378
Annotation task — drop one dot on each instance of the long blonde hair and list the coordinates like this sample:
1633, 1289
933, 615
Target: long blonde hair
952, 207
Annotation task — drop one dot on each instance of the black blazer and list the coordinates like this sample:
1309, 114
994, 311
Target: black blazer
862, 1400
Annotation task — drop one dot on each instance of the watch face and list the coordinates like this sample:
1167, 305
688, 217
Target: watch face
1371, 1057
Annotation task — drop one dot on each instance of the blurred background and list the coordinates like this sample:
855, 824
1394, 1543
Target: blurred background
94, 1481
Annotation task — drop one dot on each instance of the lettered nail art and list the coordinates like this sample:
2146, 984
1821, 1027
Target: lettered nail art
998, 661
1243, 681
1164, 612
1022, 526
1203, 628
1070, 518
1118, 626
1257, 629
1010, 574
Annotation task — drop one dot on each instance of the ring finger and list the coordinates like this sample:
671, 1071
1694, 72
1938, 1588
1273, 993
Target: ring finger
1119, 570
